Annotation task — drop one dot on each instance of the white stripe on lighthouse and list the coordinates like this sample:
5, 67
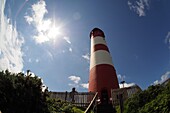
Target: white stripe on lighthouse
100, 57
97, 40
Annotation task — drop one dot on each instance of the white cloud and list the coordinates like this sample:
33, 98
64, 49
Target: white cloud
70, 49
37, 20
126, 85
75, 79
11, 55
39, 10
37, 60
77, 82
50, 55
156, 82
86, 57
33, 60
167, 39
121, 77
164, 77
46, 28
30, 60
67, 39
29, 19
85, 85
139, 6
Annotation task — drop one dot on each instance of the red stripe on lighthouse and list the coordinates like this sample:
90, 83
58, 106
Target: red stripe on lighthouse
103, 76
100, 47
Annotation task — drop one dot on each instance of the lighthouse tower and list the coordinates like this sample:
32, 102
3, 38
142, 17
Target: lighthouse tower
102, 76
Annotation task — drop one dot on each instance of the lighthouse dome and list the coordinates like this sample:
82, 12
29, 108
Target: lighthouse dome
97, 32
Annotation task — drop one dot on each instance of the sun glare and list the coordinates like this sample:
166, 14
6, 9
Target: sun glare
48, 30
54, 32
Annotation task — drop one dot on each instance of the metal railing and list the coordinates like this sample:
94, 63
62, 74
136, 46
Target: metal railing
92, 104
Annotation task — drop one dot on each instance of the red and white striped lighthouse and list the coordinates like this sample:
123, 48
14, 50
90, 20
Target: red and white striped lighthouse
102, 76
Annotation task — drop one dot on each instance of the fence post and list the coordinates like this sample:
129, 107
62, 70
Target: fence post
66, 96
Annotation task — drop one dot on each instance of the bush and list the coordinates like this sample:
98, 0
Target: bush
156, 99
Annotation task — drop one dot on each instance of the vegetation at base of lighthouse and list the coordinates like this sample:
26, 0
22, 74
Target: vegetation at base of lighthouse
20, 93
155, 99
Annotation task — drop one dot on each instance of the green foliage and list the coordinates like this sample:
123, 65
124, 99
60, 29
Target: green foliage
161, 103
117, 109
58, 106
77, 110
156, 99
21, 93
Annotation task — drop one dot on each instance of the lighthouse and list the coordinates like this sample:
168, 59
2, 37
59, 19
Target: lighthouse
102, 76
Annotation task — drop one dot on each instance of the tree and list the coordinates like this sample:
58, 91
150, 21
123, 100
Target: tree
21, 93
155, 99
160, 104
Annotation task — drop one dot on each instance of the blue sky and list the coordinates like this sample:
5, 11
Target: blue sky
51, 38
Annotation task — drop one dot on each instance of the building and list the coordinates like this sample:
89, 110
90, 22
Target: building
122, 94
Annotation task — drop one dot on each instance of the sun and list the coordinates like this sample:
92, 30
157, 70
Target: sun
54, 32
50, 30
